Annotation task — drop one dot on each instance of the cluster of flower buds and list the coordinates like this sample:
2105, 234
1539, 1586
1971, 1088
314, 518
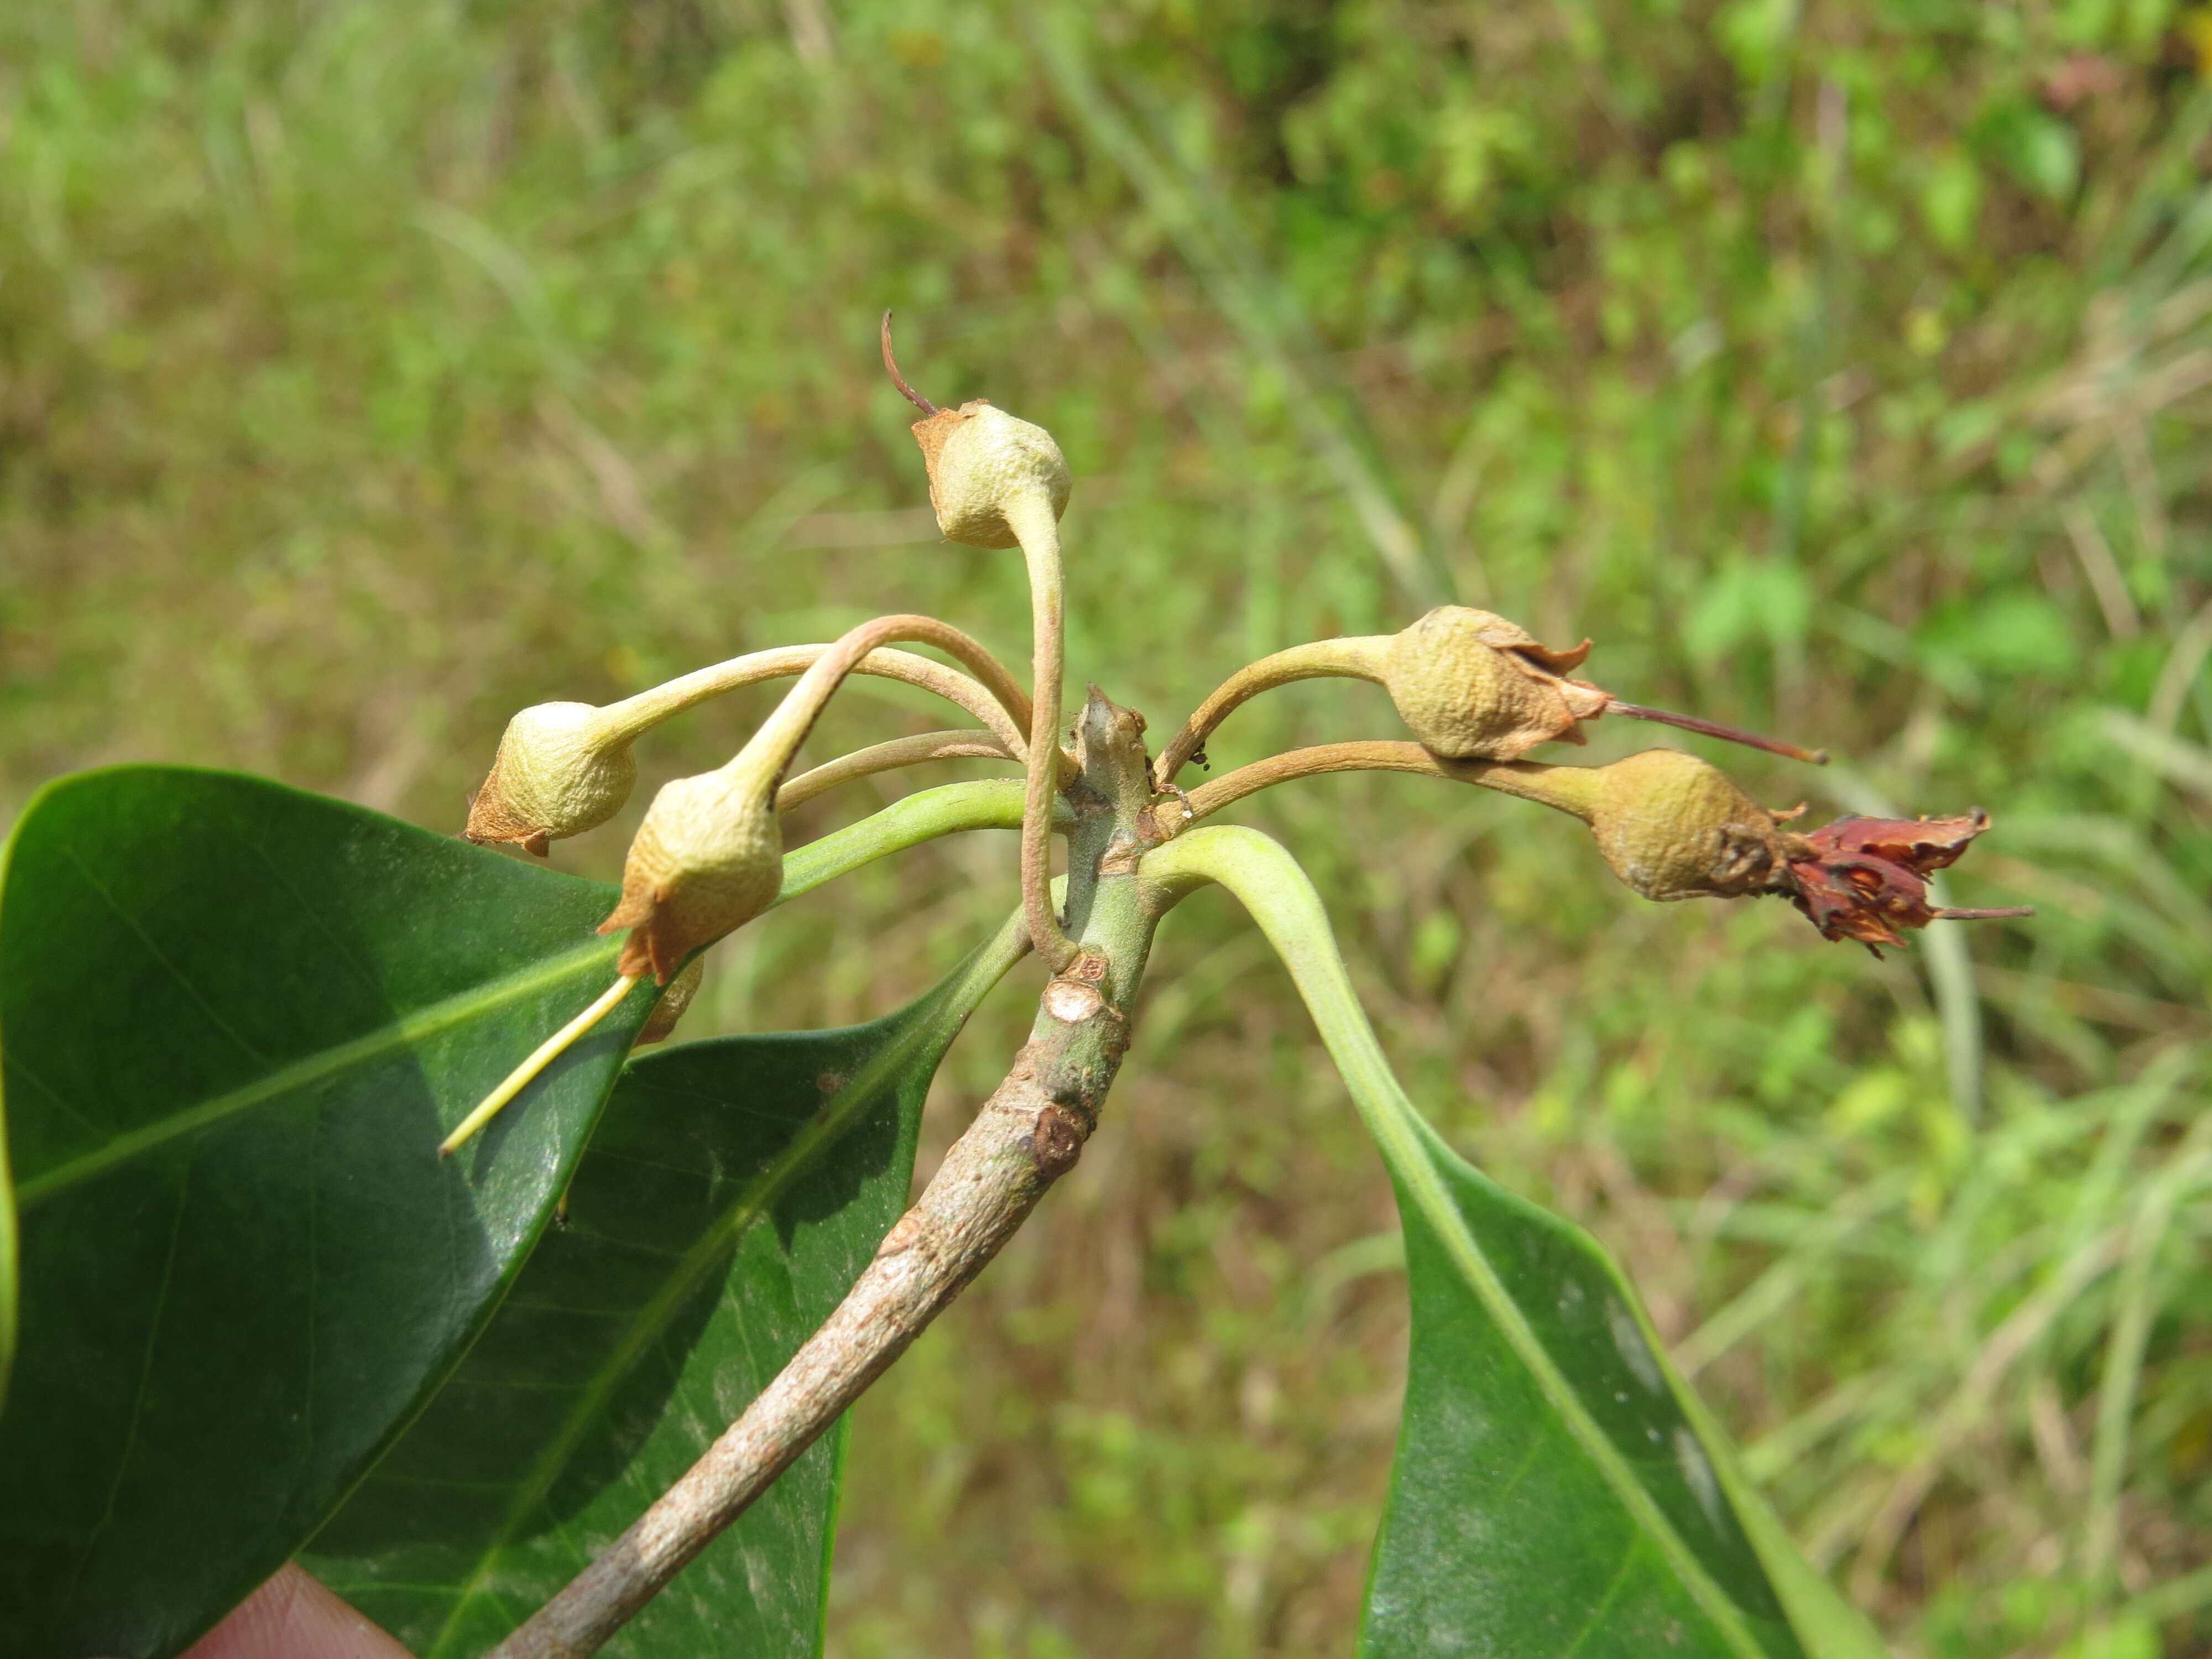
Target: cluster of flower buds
708, 856
1476, 691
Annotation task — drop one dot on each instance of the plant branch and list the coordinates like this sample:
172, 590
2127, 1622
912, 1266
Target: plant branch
1359, 658
889, 756
1027, 1135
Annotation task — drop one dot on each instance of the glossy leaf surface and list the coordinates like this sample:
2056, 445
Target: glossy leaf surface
1550, 1497
1559, 1491
713, 1224
236, 1020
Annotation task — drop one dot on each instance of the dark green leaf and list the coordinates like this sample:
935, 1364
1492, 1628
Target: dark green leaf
1557, 1492
636, 1334
237, 1020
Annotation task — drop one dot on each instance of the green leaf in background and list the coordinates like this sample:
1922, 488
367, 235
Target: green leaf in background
1557, 1491
2038, 148
237, 1019
636, 1334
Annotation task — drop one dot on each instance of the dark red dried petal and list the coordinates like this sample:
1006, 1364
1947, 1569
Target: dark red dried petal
1867, 880
1921, 845
1860, 897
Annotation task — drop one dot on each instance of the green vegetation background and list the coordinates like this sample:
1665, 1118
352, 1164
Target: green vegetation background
368, 370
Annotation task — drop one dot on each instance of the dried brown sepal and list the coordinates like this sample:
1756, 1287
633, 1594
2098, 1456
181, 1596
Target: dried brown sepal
931, 434
559, 772
674, 1003
1867, 878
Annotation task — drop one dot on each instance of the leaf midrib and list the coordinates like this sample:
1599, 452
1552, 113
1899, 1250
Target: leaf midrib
401, 1033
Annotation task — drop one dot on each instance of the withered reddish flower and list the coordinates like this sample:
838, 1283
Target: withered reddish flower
1865, 879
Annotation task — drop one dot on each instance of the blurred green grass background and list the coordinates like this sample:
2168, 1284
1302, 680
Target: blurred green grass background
369, 370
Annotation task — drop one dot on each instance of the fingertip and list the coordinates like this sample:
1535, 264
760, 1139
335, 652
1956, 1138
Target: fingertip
295, 1616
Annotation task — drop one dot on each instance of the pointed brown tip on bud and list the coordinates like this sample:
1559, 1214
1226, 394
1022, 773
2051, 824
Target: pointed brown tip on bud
555, 775
1715, 729
985, 467
1867, 878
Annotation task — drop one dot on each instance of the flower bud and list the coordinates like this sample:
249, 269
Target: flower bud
985, 467
557, 774
1473, 686
1672, 826
708, 859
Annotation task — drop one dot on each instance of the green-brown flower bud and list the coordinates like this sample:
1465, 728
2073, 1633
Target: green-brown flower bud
987, 468
1474, 686
708, 859
1674, 827
559, 770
